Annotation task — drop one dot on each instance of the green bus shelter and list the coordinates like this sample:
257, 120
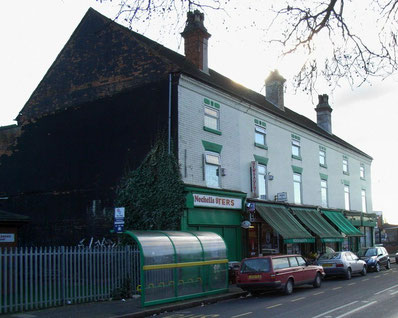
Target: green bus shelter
180, 265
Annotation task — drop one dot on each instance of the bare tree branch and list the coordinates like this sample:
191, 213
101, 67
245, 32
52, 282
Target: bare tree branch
342, 40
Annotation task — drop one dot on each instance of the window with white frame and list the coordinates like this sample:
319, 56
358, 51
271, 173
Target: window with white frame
324, 193
363, 200
262, 181
212, 169
347, 197
296, 148
362, 171
297, 188
260, 136
212, 118
345, 165
322, 156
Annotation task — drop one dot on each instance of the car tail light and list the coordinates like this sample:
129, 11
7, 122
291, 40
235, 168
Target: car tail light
339, 265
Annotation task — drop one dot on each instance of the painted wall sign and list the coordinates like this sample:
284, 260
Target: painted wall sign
213, 201
254, 178
7, 237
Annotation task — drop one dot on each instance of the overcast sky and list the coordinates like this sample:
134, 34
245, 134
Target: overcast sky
34, 32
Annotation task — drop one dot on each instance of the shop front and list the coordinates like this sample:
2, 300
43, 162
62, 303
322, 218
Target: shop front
342, 224
274, 230
355, 218
368, 224
217, 211
327, 237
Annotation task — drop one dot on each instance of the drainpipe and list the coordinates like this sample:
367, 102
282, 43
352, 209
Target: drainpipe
169, 123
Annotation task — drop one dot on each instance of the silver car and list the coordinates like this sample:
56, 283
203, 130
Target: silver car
342, 264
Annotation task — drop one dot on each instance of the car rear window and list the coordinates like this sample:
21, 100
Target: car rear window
256, 265
280, 262
330, 256
368, 252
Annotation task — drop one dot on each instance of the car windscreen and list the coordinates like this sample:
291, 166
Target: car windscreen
329, 256
368, 252
256, 265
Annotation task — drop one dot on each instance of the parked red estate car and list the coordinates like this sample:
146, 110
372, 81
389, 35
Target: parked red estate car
281, 272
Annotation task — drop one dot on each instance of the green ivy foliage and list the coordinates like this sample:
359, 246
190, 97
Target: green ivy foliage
153, 194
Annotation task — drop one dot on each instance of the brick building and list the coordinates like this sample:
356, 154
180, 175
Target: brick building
111, 91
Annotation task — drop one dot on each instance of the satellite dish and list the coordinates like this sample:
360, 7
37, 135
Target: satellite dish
245, 224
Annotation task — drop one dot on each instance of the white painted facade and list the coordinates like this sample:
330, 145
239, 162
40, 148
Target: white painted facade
237, 128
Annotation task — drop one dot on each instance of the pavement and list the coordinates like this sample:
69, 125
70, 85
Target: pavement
129, 308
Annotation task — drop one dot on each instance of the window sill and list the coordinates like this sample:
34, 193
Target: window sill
323, 166
296, 157
363, 179
346, 173
214, 131
261, 146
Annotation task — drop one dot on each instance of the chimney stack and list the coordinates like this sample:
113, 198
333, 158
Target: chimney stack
324, 113
274, 85
195, 36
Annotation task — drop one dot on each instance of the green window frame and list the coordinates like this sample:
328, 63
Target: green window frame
322, 157
260, 136
362, 174
296, 147
347, 197
363, 200
346, 170
211, 116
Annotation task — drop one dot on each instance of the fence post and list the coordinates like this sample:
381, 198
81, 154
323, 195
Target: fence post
62, 273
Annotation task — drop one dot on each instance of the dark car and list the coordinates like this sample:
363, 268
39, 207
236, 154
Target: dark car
281, 272
375, 258
342, 264
396, 257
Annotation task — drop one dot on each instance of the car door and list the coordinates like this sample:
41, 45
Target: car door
308, 272
356, 264
296, 270
348, 259
382, 256
281, 269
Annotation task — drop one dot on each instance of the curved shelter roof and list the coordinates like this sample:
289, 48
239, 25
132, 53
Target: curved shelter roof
176, 265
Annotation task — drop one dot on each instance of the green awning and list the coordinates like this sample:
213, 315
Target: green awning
338, 219
317, 224
283, 222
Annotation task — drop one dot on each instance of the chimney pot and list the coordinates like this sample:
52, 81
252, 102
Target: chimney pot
324, 113
274, 86
195, 36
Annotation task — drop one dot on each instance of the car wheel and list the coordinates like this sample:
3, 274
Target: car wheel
348, 275
377, 268
364, 271
388, 266
289, 287
318, 281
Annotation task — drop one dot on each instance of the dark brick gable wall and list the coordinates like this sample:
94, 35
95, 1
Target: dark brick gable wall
101, 59
62, 162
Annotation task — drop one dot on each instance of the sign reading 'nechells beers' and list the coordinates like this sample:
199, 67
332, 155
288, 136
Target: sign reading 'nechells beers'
213, 201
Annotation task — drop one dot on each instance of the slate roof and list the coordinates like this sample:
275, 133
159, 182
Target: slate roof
103, 58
